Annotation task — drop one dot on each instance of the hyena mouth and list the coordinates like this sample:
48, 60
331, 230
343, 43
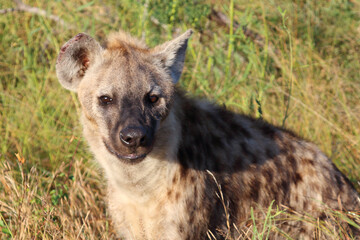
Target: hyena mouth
133, 157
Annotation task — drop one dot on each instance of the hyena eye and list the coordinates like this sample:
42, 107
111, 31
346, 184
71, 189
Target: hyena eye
105, 99
153, 98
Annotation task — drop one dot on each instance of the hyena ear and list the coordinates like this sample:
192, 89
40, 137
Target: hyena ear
75, 57
172, 54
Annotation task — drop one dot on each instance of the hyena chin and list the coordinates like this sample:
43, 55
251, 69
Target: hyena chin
181, 168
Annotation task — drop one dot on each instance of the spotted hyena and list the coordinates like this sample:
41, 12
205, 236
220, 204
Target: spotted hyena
182, 168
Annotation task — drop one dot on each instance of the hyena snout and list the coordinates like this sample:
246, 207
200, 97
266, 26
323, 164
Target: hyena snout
133, 136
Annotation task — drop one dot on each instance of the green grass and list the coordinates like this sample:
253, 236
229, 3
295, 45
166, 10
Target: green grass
303, 74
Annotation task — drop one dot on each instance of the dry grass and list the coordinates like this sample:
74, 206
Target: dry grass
53, 205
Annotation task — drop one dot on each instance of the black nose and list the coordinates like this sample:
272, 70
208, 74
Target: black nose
133, 136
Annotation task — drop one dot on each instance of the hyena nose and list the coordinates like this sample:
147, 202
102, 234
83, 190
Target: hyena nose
133, 136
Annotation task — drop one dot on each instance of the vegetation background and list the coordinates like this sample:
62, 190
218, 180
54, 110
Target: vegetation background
294, 63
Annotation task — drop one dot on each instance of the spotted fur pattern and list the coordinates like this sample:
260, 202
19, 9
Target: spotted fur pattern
201, 168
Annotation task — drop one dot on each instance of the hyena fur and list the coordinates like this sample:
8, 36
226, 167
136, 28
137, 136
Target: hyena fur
182, 168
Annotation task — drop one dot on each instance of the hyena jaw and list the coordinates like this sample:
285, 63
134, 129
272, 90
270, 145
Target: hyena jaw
208, 167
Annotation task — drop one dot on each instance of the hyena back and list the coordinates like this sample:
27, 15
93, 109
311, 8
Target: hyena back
181, 168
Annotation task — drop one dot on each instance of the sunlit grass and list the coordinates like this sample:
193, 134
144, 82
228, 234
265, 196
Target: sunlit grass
39, 119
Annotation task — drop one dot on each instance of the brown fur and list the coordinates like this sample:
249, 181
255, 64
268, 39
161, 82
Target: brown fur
198, 169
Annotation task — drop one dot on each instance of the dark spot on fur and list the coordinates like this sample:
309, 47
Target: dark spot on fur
279, 165
192, 179
268, 175
174, 180
125, 52
339, 180
297, 178
293, 170
162, 62
285, 186
307, 161
305, 204
177, 196
254, 189
181, 228
195, 193
292, 161
288, 148
192, 217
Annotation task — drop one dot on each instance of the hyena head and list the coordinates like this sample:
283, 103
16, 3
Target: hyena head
125, 89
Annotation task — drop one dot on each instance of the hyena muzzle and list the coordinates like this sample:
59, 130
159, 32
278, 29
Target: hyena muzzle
181, 168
